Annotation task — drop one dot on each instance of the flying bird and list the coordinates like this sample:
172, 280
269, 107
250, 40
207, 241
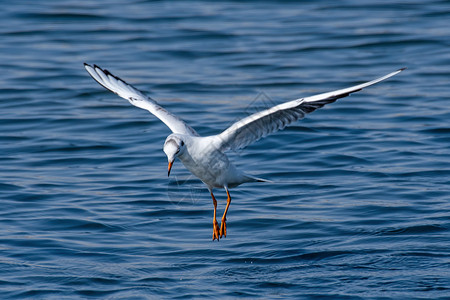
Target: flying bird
205, 156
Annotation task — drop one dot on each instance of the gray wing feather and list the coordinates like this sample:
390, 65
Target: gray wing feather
261, 124
138, 98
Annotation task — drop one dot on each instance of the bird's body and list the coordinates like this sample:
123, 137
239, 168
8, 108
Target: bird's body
205, 157
210, 165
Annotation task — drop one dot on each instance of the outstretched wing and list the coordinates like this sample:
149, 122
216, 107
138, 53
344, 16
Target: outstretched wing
261, 124
137, 98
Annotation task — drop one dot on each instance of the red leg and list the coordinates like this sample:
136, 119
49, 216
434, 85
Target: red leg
215, 224
223, 224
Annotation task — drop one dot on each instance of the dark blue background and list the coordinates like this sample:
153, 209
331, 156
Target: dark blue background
360, 204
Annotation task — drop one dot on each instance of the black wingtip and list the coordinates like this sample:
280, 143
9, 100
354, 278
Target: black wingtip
403, 69
86, 65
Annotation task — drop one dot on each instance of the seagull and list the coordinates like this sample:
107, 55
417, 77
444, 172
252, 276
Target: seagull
205, 156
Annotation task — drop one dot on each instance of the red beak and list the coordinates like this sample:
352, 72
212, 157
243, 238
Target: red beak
169, 168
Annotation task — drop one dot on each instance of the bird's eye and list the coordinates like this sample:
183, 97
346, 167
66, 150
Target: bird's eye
182, 143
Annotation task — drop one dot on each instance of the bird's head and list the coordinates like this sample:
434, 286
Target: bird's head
173, 147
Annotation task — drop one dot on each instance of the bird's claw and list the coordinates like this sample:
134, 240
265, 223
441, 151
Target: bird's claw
223, 228
215, 230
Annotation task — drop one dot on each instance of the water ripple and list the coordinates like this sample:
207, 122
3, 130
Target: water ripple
359, 204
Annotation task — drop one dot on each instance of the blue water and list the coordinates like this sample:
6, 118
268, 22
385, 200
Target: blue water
359, 207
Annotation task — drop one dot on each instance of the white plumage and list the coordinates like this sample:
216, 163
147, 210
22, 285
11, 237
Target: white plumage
204, 156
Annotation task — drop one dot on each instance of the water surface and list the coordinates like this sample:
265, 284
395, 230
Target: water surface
359, 207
